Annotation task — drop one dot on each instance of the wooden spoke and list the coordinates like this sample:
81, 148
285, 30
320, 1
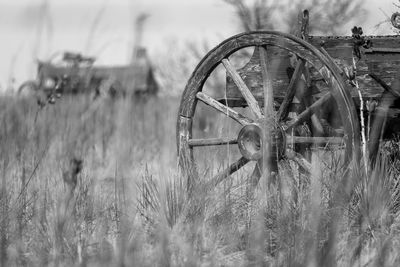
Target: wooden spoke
291, 90
234, 167
315, 140
318, 129
299, 159
256, 174
309, 111
267, 84
260, 168
268, 165
248, 96
224, 109
212, 142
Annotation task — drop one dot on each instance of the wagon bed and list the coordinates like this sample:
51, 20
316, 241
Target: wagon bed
132, 78
382, 60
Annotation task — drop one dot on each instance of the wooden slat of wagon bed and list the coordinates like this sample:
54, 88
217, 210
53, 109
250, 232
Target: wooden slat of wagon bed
251, 75
383, 59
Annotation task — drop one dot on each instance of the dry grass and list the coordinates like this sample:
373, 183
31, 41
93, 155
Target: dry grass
105, 191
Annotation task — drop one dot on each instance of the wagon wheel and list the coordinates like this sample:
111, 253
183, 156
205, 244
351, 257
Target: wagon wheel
28, 88
265, 137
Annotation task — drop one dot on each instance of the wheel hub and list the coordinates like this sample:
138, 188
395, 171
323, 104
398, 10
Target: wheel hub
251, 141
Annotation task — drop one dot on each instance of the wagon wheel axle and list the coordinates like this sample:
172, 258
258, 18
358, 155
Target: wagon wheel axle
251, 141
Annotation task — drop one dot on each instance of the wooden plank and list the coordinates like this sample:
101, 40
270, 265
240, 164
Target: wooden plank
299, 159
212, 142
240, 102
185, 153
244, 90
234, 167
314, 140
389, 41
224, 109
278, 62
291, 90
382, 50
268, 90
385, 85
309, 111
378, 126
338, 69
237, 102
269, 165
382, 62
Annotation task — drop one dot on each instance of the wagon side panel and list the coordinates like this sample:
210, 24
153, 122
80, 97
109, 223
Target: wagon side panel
382, 60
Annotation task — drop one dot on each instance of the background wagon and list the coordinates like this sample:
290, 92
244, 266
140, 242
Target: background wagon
75, 73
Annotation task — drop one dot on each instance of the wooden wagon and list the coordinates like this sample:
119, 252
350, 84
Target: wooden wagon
289, 100
77, 74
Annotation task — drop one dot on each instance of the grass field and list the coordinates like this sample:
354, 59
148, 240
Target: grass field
97, 184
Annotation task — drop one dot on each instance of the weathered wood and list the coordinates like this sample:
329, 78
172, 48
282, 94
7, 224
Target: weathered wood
244, 90
234, 167
238, 102
212, 142
378, 126
383, 60
314, 140
388, 41
382, 116
278, 62
185, 153
385, 85
305, 94
270, 162
222, 108
299, 159
268, 91
308, 112
291, 90
338, 69
256, 174
381, 50
303, 20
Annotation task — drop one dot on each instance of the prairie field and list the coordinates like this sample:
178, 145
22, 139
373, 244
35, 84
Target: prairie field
97, 184
53, 215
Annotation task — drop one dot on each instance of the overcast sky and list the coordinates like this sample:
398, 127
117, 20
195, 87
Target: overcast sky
69, 24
